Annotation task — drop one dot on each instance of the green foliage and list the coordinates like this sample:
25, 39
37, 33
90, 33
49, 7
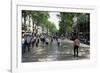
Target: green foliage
39, 17
24, 15
51, 26
65, 23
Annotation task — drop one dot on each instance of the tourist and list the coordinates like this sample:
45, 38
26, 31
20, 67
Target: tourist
28, 40
59, 42
47, 41
76, 46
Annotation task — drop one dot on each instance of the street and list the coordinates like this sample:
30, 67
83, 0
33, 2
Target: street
53, 52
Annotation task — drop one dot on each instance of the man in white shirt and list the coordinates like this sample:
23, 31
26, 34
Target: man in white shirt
23, 45
47, 41
59, 41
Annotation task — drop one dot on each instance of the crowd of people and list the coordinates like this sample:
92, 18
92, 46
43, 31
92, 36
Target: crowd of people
30, 41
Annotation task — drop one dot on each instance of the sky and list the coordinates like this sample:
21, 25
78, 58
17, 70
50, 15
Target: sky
53, 18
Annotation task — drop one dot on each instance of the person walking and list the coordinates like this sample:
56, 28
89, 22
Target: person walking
23, 44
51, 40
33, 41
47, 41
76, 46
37, 41
28, 39
59, 42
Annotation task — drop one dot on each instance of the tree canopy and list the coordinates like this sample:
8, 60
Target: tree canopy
66, 21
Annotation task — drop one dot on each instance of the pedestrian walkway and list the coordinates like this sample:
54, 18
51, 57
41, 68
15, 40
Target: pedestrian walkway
53, 52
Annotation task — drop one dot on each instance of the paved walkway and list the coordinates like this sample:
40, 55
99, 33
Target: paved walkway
53, 52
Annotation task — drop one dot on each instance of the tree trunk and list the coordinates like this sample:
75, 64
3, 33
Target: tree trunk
25, 23
33, 27
42, 28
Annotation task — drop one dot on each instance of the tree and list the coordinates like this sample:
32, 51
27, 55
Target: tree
50, 27
65, 22
24, 15
39, 19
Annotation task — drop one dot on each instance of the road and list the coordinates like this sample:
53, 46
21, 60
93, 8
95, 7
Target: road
53, 52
